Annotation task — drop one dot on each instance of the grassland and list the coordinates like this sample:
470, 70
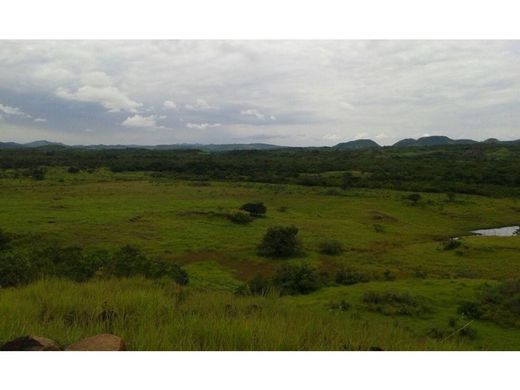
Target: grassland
397, 243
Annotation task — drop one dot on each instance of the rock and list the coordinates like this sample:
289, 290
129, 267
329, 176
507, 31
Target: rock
30, 343
100, 342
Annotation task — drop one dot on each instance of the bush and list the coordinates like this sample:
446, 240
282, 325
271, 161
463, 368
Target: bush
501, 303
5, 239
38, 174
15, 270
470, 310
254, 209
414, 198
280, 241
391, 303
158, 268
330, 247
296, 279
451, 244
73, 170
69, 262
348, 276
258, 285
240, 217
128, 261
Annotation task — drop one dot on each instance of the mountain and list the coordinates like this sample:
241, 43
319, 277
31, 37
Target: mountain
39, 144
357, 144
10, 145
433, 140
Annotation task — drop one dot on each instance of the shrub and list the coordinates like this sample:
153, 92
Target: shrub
378, 228
69, 262
414, 197
128, 261
158, 268
38, 174
15, 270
280, 241
296, 279
73, 170
391, 303
330, 247
470, 310
240, 217
501, 303
451, 244
5, 239
258, 285
254, 209
348, 276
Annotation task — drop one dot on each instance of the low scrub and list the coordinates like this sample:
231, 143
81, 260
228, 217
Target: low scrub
239, 217
347, 276
331, 247
280, 241
394, 303
296, 279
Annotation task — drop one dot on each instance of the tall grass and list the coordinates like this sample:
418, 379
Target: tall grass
158, 315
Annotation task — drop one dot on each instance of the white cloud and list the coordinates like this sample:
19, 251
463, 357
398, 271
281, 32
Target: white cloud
170, 104
141, 121
202, 125
109, 97
200, 105
253, 112
41, 120
8, 110
346, 105
331, 137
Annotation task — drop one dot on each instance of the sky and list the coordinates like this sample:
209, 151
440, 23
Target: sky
293, 93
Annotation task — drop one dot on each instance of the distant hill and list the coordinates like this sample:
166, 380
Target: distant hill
433, 140
357, 144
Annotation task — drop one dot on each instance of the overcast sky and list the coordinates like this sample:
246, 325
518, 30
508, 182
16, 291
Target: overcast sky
283, 92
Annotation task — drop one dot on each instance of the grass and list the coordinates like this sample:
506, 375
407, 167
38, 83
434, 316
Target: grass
185, 223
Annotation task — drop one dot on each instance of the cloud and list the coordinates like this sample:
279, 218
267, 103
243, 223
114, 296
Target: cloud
8, 110
41, 120
252, 112
141, 121
99, 88
202, 125
170, 104
200, 105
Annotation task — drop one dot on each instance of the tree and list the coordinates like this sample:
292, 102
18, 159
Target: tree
280, 241
254, 209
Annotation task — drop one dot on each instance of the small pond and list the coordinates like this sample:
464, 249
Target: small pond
504, 231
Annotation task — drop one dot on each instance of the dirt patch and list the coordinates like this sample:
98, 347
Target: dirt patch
382, 217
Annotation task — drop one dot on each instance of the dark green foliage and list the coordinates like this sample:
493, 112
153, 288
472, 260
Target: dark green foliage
414, 198
501, 303
15, 270
158, 268
5, 239
240, 217
296, 279
254, 209
348, 276
451, 244
470, 310
258, 285
330, 247
342, 305
128, 261
38, 174
394, 303
378, 228
471, 169
280, 241
73, 170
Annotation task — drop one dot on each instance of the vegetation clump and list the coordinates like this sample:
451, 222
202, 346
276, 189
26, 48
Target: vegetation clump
240, 217
280, 241
330, 247
5, 239
451, 244
347, 276
394, 303
256, 209
296, 279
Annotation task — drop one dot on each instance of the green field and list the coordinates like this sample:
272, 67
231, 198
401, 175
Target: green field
396, 243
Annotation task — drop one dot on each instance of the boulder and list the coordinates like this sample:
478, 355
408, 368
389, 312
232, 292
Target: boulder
100, 342
30, 343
